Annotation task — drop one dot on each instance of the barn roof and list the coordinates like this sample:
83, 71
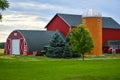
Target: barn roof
36, 39
109, 22
74, 20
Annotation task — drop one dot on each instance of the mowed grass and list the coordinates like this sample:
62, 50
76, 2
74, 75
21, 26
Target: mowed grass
43, 68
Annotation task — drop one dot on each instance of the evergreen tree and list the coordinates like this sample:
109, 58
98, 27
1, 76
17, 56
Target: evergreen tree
56, 47
67, 53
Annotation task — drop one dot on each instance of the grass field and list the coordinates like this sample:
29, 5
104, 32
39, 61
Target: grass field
42, 68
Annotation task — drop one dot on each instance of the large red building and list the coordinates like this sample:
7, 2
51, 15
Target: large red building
110, 29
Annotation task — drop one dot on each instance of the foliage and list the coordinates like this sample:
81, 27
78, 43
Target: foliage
81, 40
56, 41
55, 52
67, 53
3, 5
56, 47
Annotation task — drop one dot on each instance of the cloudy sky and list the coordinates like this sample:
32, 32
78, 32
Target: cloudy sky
35, 14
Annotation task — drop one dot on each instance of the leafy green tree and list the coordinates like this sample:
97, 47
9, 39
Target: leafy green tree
3, 5
81, 40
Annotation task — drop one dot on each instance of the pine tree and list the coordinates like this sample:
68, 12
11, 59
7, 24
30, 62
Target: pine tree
67, 53
56, 47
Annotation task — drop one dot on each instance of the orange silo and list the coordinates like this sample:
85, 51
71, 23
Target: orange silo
93, 21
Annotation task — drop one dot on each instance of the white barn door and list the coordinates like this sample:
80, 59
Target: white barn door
16, 46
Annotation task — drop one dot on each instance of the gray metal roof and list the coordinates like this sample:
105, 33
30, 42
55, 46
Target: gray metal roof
74, 20
108, 22
36, 40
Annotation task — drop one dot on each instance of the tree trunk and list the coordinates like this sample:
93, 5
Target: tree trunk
83, 56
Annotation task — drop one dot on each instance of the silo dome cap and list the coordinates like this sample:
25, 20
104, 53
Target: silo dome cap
91, 13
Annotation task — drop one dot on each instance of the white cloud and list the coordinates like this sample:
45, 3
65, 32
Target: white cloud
23, 19
3, 36
38, 7
44, 6
17, 21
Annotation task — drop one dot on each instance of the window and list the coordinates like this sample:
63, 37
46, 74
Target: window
15, 34
99, 20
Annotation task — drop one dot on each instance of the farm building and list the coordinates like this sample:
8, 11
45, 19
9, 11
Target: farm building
107, 28
27, 42
104, 30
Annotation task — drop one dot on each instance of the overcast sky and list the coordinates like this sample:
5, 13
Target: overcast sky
35, 14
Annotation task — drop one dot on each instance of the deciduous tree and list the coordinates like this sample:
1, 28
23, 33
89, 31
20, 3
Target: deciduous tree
3, 5
81, 40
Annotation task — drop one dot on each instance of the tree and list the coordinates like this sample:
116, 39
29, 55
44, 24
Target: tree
67, 53
81, 40
3, 5
56, 47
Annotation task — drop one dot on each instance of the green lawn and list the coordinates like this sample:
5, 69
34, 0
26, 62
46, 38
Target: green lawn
43, 68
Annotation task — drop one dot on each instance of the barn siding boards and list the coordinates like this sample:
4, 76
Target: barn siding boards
15, 35
110, 34
58, 24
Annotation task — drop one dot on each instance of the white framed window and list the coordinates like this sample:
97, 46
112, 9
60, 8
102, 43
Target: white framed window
15, 34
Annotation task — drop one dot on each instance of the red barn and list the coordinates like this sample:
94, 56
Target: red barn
27, 42
110, 29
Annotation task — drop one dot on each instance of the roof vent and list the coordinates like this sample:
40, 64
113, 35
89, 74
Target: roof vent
91, 13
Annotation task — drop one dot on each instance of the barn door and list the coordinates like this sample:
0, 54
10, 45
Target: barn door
16, 46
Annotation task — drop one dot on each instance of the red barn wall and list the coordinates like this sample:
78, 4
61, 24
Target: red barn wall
23, 45
58, 24
110, 34
8, 45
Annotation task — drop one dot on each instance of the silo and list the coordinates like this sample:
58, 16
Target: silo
93, 21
